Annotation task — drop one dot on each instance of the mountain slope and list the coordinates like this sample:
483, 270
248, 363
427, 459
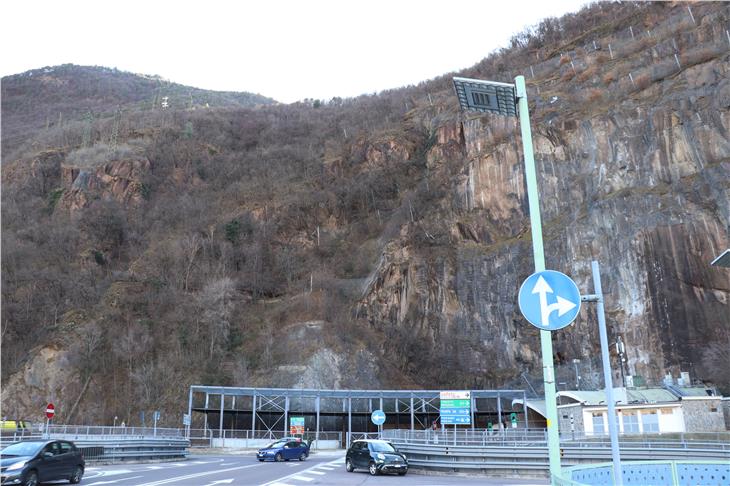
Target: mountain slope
378, 241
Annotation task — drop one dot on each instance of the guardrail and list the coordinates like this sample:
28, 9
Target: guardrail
437, 451
132, 450
114, 448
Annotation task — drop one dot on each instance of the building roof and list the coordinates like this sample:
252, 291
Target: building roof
537, 405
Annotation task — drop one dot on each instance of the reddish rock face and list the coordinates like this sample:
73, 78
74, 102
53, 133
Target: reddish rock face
120, 180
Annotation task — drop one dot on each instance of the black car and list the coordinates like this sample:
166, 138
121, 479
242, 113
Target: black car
31, 462
377, 456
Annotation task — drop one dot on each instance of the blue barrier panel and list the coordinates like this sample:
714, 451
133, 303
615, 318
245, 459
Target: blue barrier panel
703, 474
651, 473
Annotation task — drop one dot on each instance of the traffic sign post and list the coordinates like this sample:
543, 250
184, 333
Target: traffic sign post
455, 408
607, 379
50, 412
378, 418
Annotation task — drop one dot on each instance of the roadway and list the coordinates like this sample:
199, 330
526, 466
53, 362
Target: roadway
319, 469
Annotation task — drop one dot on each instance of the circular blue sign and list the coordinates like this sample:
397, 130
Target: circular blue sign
549, 300
378, 417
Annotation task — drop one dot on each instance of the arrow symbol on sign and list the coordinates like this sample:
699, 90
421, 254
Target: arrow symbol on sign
562, 305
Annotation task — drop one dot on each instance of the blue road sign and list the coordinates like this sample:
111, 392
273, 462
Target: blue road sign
455, 419
549, 300
378, 417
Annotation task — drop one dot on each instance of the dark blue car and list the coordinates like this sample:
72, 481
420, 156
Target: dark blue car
284, 450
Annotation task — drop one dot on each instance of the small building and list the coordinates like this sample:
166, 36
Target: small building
639, 411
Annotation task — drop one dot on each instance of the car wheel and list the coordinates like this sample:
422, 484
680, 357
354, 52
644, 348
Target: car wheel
31, 479
278, 457
77, 475
402, 473
302, 456
349, 466
373, 469
261, 460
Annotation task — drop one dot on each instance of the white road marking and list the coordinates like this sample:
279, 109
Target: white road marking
114, 480
181, 479
297, 476
326, 468
115, 472
312, 471
154, 467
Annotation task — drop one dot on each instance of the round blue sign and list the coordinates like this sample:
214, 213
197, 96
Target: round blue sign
549, 300
378, 417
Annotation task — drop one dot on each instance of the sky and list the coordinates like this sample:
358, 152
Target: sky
285, 49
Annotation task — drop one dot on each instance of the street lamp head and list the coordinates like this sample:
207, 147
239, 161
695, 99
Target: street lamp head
486, 96
723, 260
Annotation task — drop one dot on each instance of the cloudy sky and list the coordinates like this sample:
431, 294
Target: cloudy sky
285, 49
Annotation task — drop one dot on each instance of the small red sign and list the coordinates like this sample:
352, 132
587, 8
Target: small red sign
50, 410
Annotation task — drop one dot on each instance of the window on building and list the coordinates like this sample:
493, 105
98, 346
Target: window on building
650, 422
598, 428
631, 423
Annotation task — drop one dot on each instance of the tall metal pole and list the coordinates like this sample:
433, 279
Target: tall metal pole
539, 256
608, 381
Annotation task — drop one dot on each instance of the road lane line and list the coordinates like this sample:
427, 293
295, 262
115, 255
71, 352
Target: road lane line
114, 480
326, 468
302, 478
178, 479
312, 471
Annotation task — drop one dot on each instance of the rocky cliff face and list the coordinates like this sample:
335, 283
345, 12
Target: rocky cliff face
642, 186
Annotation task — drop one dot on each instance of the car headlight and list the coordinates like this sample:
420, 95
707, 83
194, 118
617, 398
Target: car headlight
16, 466
381, 457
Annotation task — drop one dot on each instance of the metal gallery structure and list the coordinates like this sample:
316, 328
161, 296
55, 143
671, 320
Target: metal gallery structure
263, 411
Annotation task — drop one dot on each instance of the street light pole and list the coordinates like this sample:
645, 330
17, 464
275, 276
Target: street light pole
511, 100
546, 343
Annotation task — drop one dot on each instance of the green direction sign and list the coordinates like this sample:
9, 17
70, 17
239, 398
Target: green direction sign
455, 407
296, 421
513, 419
455, 404
489, 426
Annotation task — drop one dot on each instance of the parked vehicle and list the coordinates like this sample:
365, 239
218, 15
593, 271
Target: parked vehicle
31, 462
284, 450
377, 456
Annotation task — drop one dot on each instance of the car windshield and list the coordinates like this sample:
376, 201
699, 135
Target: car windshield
274, 445
22, 449
382, 447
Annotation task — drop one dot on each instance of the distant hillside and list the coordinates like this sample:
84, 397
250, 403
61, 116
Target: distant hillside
44, 98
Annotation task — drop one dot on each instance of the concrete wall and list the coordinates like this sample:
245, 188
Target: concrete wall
703, 414
564, 414
726, 411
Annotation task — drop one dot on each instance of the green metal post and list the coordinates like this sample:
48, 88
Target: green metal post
539, 256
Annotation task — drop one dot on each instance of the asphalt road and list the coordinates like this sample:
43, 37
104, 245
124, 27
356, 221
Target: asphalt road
233, 470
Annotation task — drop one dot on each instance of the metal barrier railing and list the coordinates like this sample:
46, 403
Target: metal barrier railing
506, 437
110, 450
